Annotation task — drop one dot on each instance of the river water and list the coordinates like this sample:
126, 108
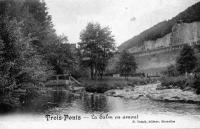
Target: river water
184, 115
100, 103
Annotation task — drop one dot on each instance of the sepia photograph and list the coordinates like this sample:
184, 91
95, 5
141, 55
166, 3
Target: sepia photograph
99, 64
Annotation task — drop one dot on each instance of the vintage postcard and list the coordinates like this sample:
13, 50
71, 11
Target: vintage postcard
99, 64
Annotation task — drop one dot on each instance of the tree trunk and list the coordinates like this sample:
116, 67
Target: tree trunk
186, 74
95, 73
91, 73
101, 74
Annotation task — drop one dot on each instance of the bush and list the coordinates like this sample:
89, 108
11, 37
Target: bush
170, 71
98, 88
102, 85
174, 82
181, 82
108, 83
196, 85
141, 81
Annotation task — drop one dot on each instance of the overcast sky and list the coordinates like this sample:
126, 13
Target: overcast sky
126, 18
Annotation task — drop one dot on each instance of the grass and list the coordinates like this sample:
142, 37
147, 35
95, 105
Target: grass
102, 85
108, 83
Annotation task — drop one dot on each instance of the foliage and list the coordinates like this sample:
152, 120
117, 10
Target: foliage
19, 61
30, 50
181, 82
197, 67
196, 84
59, 55
104, 84
133, 81
126, 64
35, 24
174, 82
99, 88
171, 71
108, 83
186, 62
96, 46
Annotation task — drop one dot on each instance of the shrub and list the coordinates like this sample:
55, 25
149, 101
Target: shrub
174, 82
141, 81
196, 85
181, 82
98, 88
170, 71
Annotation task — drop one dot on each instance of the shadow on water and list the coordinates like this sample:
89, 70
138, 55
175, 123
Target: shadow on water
41, 103
82, 103
95, 103
5, 105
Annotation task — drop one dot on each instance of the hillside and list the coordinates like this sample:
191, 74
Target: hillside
159, 30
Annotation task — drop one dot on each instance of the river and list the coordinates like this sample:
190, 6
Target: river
185, 115
97, 103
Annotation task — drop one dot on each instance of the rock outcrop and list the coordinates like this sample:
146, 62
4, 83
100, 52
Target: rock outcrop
160, 53
159, 46
181, 33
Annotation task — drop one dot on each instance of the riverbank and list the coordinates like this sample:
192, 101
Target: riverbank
150, 91
109, 83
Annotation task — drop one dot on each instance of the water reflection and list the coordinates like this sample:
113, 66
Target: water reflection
58, 102
95, 103
59, 97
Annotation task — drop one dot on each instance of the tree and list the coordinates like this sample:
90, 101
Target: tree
60, 56
126, 64
97, 46
19, 62
30, 50
186, 62
37, 23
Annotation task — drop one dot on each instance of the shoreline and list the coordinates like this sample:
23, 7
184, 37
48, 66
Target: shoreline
150, 91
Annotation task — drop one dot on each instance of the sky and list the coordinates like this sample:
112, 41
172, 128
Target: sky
125, 18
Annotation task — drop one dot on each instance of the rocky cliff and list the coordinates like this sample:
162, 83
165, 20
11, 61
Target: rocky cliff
185, 33
155, 55
182, 33
159, 46
160, 30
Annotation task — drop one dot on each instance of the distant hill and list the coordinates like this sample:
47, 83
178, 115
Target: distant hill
159, 30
